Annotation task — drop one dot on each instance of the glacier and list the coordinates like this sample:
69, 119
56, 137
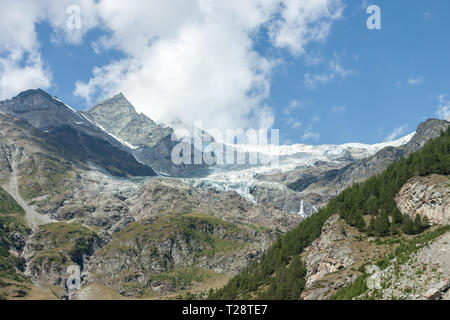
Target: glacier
242, 178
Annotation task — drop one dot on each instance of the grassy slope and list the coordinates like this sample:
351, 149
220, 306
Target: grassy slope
11, 222
215, 236
65, 243
402, 253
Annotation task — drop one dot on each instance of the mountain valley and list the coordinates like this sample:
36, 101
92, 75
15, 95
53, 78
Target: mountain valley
93, 197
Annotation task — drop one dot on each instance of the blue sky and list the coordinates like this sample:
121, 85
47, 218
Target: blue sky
414, 44
351, 85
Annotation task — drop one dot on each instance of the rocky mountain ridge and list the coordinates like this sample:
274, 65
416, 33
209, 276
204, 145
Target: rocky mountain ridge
151, 237
98, 215
74, 134
149, 142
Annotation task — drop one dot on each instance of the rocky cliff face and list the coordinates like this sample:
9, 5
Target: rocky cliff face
425, 131
47, 113
283, 198
428, 197
53, 249
117, 116
171, 195
149, 142
285, 189
421, 272
33, 158
328, 253
73, 135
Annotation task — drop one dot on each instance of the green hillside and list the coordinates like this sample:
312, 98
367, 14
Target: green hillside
8, 205
11, 225
281, 275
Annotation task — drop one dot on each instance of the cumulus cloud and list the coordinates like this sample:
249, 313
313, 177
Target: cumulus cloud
192, 61
303, 21
21, 64
183, 60
17, 75
443, 111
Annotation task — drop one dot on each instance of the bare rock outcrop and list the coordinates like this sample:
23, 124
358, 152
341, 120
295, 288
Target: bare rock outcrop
163, 195
427, 196
328, 253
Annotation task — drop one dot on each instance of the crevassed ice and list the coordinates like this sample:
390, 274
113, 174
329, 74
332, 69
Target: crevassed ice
291, 157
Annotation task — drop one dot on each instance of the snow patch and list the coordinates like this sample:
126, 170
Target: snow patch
126, 144
70, 108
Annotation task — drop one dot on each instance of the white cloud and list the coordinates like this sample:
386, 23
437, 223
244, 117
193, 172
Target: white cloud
186, 60
338, 109
21, 65
312, 81
443, 111
293, 104
309, 135
205, 74
397, 133
200, 64
303, 21
335, 68
19, 75
313, 59
415, 81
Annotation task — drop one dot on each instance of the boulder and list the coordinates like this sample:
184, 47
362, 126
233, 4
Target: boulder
432, 294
